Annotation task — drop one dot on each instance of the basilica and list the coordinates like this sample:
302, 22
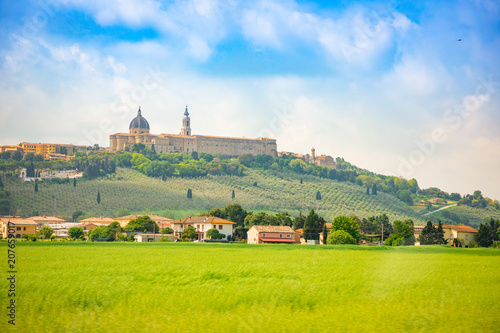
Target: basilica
186, 142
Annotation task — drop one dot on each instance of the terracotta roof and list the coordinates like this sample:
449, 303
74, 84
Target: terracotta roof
273, 228
280, 240
104, 220
459, 228
46, 219
203, 219
155, 218
18, 221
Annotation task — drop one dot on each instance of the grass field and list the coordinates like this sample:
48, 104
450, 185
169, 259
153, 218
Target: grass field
138, 193
121, 287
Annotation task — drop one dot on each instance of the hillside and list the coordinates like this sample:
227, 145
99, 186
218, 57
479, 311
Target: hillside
275, 192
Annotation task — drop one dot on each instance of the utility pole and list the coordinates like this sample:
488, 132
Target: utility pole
382, 233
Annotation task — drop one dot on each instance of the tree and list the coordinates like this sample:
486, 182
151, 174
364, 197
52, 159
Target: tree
428, 235
76, 232
483, 236
115, 229
440, 234
233, 195
311, 228
214, 234
347, 224
189, 233
101, 232
368, 190
189, 194
301, 181
36, 187
29, 157
76, 214
318, 195
74, 182
63, 150
45, 232
340, 237
167, 230
403, 234
194, 155
98, 197
374, 189
17, 156
325, 233
298, 222
142, 224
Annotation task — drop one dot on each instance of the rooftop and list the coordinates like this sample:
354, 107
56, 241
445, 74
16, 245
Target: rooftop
273, 228
203, 219
459, 228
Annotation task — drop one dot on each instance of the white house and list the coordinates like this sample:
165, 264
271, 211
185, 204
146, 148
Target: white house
202, 224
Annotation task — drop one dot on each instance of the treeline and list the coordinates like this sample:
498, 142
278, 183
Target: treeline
478, 201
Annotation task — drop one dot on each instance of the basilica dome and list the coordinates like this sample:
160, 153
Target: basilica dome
139, 121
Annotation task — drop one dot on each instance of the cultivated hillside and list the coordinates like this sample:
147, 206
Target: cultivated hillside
275, 192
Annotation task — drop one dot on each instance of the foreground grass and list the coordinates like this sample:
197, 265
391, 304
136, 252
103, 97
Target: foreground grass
85, 287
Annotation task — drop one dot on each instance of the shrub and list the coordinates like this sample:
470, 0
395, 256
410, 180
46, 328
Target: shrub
340, 237
164, 239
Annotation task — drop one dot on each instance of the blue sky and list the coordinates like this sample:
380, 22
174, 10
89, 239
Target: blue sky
386, 85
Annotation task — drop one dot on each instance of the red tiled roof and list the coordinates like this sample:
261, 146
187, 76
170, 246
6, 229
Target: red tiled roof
280, 240
459, 228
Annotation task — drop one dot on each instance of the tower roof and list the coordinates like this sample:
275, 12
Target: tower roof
139, 121
186, 113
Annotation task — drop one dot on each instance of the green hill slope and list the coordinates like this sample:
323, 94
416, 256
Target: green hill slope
136, 192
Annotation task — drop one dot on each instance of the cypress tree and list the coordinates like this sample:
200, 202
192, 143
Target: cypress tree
368, 190
440, 234
318, 195
74, 182
374, 189
325, 233
36, 187
189, 194
301, 180
233, 195
98, 197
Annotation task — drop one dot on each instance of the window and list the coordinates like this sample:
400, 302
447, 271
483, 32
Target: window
466, 237
18, 236
281, 235
18, 228
24, 229
263, 235
288, 236
220, 226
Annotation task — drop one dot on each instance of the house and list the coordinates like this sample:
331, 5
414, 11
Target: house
89, 226
162, 222
464, 233
46, 220
153, 237
272, 234
16, 226
202, 224
417, 230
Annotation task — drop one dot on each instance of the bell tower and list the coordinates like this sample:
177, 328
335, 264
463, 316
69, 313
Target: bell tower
186, 123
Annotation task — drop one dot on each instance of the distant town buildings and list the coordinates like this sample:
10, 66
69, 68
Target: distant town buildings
49, 151
186, 142
323, 160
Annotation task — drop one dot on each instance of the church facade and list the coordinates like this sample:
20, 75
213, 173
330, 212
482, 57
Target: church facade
186, 142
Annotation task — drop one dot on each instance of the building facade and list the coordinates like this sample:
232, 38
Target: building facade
272, 234
186, 142
464, 233
16, 226
202, 224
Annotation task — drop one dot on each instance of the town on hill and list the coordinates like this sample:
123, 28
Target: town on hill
183, 176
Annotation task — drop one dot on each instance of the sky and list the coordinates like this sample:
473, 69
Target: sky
399, 88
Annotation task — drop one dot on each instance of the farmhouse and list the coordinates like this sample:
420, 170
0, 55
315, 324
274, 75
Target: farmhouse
16, 226
464, 233
202, 224
272, 234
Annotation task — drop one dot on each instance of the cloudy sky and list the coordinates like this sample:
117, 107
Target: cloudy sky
396, 88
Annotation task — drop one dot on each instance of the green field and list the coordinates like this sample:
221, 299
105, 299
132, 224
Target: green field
275, 192
121, 287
